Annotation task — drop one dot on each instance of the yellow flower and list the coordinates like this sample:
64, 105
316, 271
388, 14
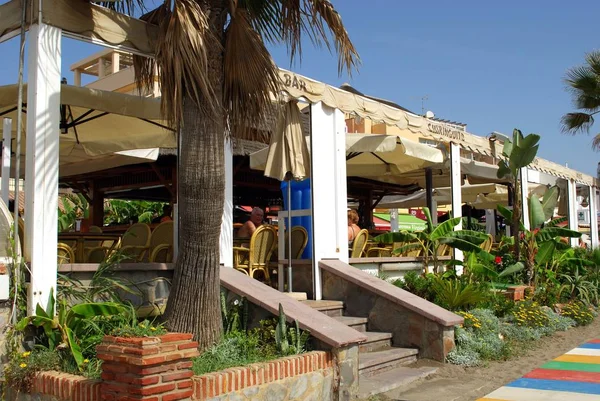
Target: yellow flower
142, 326
86, 361
26, 354
23, 365
153, 328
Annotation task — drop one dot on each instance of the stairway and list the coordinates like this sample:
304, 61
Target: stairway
382, 367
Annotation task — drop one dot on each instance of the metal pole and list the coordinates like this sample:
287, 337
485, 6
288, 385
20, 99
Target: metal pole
289, 228
429, 188
6, 151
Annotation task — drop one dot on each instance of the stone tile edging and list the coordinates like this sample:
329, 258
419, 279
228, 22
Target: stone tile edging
389, 291
233, 379
67, 387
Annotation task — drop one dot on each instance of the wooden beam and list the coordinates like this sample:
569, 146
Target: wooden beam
162, 179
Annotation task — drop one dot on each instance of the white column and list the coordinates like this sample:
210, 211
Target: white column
116, 60
593, 201
41, 168
394, 220
226, 245
490, 222
328, 188
77, 77
101, 68
455, 184
6, 151
524, 199
572, 198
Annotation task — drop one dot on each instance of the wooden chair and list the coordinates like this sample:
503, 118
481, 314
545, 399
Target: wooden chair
161, 243
256, 257
359, 243
299, 241
65, 254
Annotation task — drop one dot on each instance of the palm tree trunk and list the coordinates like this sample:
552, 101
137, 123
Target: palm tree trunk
193, 305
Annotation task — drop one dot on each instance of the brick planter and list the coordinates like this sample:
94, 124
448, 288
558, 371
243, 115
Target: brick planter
147, 368
516, 292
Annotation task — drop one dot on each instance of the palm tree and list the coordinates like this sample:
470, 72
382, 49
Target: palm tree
217, 78
584, 84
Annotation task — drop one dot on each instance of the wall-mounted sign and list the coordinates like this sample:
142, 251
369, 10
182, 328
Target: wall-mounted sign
446, 131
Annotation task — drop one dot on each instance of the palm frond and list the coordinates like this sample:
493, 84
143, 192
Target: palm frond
574, 123
250, 76
265, 17
181, 57
319, 20
596, 142
593, 61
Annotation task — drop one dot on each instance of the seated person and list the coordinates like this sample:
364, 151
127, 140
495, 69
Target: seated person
166, 215
256, 220
353, 228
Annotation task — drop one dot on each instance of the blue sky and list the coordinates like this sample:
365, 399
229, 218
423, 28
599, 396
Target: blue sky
494, 66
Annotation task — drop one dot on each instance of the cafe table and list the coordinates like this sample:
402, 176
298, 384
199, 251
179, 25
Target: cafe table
81, 238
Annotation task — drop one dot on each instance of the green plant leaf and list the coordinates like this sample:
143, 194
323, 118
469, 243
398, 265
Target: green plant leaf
400, 236
474, 237
444, 228
536, 212
459, 243
506, 213
407, 247
557, 221
74, 346
529, 141
51, 301
545, 252
549, 202
514, 268
503, 170
88, 310
549, 233
507, 148
522, 157
428, 219
20, 326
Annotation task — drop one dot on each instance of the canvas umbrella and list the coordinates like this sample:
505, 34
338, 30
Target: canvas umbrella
288, 159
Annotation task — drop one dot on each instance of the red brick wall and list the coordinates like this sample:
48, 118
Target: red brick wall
233, 379
64, 386
147, 369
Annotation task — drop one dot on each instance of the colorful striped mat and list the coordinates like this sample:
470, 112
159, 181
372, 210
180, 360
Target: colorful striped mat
574, 376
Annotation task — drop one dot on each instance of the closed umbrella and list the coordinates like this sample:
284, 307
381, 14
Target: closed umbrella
288, 159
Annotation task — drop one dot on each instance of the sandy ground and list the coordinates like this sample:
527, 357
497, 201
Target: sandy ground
454, 383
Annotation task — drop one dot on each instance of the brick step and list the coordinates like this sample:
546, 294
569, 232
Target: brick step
376, 341
390, 380
330, 308
357, 323
371, 363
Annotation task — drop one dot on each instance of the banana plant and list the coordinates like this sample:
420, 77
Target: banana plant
518, 153
433, 237
64, 329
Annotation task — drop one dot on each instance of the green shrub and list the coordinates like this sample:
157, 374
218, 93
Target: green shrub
580, 313
530, 314
453, 294
21, 369
417, 284
142, 329
463, 357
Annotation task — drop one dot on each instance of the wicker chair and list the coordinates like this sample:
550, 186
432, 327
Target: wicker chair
378, 252
487, 244
256, 258
161, 243
299, 241
359, 243
135, 243
65, 254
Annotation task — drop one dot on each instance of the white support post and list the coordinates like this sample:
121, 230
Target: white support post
524, 177
101, 68
6, 151
455, 185
394, 220
490, 222
572, 197
116, 60
593, 201
77, 77
226, 246
328, 188
41, 168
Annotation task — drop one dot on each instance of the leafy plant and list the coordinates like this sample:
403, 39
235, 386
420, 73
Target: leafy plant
433, 237
518, 153
234, 315
117, 211
66, 329
145, 328
454, 294
417, 284
289, 340
530, 314
21, 368
579, 312
74, 206
577, 287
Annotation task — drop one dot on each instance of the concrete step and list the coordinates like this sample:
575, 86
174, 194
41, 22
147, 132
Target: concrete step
357, 323
298, 296
391, 380
330, 308
371, 363
376, 341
